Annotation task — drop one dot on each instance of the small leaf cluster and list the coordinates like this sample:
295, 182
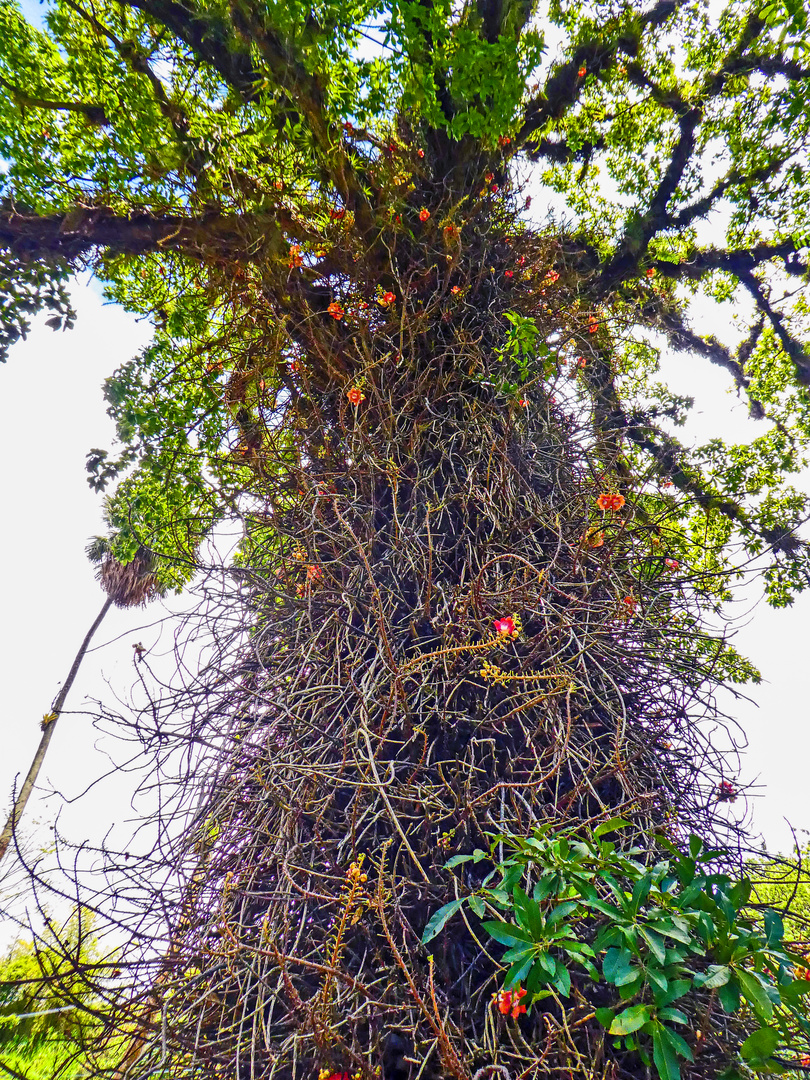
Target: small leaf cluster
650, 947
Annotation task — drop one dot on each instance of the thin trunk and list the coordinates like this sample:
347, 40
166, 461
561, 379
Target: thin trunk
50, 726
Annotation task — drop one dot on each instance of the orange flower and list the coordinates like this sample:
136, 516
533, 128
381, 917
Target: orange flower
450, 232
420, 153
355, 395
593, 324
488, 177
523, 402
504, 140
583, 71
631, 604
295, 257
455, 290
594, 538
338, 213
804, 1061
387, 298
314, 573
651, 271
335, 310
609, 500
424, 214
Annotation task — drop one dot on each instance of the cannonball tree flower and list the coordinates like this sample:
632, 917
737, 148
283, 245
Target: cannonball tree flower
355, 395
494, 189
508, 273
672, 564
651, 271
295, 259
387, 298
726, 792
424, 214
509, 1002
631, 604
609, 500
506, 626
593, 324
335, 310
488, 176
583, 71
455, 290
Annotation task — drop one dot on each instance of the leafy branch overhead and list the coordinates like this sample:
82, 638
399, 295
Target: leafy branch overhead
208, 141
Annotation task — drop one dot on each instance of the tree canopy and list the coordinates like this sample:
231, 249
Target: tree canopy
182, 152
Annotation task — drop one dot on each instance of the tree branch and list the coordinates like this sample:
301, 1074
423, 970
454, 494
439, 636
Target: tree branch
94, 113
209, 237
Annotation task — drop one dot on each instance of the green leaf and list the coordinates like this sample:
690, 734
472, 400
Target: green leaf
665, 1058
774, 927
630, 1020
477, 905
758, 1047
562, 911
729, 995
610, 826
754, 991
605, 1017
655, 943
457, 860
718, 975
439, 918
505, 933
675, 1015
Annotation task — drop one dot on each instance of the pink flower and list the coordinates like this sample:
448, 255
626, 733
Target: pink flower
505, 626
672, 564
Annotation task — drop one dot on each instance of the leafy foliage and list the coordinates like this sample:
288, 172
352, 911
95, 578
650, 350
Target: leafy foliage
645, 938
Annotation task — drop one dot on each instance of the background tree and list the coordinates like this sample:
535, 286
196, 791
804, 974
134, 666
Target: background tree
476, 562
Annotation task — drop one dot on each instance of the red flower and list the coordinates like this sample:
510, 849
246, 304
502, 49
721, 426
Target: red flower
494, 189
295, 257
450, 231
455, 290
804, 1061
651, 271
504, 140
338, 213
509, 1002
348, 127
583, 71
528, 202
505, 626
335, 310
523, 402
420, 153
387, 298
314, 573
726, 792
424, 214
593, 324
631, 604
355, 395
488, 177
551, 277
508, 273
672, 564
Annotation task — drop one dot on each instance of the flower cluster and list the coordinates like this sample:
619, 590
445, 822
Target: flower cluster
509, 1001
335, 310
726, 792
492, 673
609, 500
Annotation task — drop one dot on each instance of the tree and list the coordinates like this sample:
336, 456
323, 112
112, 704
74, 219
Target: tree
476, 562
